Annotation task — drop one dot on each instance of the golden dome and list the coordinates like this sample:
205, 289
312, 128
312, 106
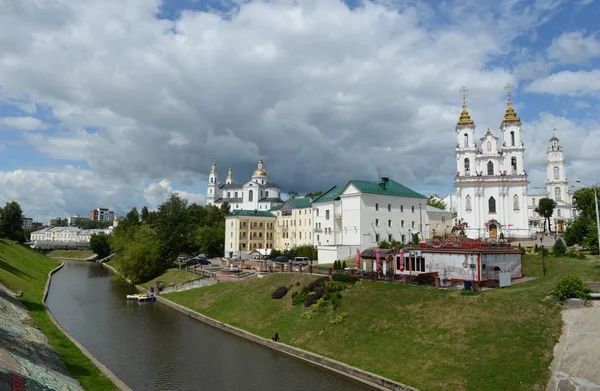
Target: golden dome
260, 171
229, 174
510, 115
465, 117
213, 170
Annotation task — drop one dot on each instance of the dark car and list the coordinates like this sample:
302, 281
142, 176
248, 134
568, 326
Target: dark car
282, 259
201, 261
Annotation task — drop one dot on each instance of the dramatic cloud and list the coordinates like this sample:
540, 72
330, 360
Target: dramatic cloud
574, 48
322, 92
157, 193
21, 123
568, 83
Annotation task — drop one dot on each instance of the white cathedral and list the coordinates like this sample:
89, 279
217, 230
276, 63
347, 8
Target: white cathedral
492, 197
256, 194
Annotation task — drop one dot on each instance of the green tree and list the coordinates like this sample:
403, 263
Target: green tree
313, 193
559, 247
436, 203
100, 245
210, 239
173, 228
292, 195
144, 213
10, 222
415, 239
142, 258
344, 265
545, 209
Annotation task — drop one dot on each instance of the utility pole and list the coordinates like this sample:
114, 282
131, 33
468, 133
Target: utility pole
420, 221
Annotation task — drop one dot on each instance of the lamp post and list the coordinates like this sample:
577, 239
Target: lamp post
597, 215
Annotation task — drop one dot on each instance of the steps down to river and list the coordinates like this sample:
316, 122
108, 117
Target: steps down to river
27, 362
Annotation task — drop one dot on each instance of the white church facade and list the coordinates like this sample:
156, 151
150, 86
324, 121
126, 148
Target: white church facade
491, 181
256, 194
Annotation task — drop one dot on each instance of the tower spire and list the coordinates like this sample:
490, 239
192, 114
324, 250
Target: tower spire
510, 115
465, 117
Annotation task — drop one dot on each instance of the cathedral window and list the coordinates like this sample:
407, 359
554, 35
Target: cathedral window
466, 140
467, 166
557, 194
228, 194
267, 194
236, 194
516, 202
513, 165
558, 212
250, 195
468, 202
533, 202
492, 205
490, 168
512, 138
489, 145
556, 173
210, 191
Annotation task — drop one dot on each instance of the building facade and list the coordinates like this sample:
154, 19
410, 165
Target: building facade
491, 181
26, 222
248, 230
294, 224
66, 234
102, 214
556, 188
439, 222
256, 194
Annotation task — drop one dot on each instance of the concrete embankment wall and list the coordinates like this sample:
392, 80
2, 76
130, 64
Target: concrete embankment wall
107, 372
357, 374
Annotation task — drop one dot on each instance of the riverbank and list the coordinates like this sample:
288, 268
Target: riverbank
498, 340
71, 254
22, 269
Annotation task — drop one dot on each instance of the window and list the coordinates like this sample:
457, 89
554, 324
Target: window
236, 195
260, 225
390, 237
376, 206
401, 208
466, 140
377, 238
556, 173
513, 165
267, 194
402, 223
228, 194
299, 235
516, 202
377, 222
317, 212
389, 223
443, 219
533, 202
492, 205
412, 208
468, 202
413, 224
327, 214
232, 223
251, 195
467, 166
318, 239
389, 207
403, 238
557, 194
558, 212
210, 191
512, 138
490, 168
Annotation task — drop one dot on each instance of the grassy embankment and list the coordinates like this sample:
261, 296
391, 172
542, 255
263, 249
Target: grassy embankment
71, 254
22, 269
173, 276
501, 339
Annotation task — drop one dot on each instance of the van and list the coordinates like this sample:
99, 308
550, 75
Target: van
300, 261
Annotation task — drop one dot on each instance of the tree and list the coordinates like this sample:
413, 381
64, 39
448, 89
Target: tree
173, 228
100, 245
344, 267
436, 203
210, 239
546, 210
144, 213
313, 193
133, 217
559, 247
292, 195
142, 259
10, 222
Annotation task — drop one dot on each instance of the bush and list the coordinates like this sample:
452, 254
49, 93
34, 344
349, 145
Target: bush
570, 287
344, 265
536, 249
313, 297
317, 283
298, 297
559, 247
279, 292
345, 278
501, 235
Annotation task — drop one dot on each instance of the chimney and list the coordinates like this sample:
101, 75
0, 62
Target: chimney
383, 182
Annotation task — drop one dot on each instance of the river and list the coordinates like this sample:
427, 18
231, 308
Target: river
151, 346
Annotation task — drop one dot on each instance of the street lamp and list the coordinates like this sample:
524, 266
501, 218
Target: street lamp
597, 215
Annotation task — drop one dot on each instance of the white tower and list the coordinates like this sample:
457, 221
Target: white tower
512, 146
211, 190
229, 179
557, 183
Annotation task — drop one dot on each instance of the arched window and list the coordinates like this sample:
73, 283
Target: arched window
516, 202
513, 165
512, 138
558, 212
492, 205
557, 194
250, 195
212, 180
468, 202
556, 172
490, 167
489, 145
466, 140
467, 166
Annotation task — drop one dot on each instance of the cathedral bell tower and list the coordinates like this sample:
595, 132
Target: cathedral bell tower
466, 148
229, 179
512, 145
557, 183
211, 188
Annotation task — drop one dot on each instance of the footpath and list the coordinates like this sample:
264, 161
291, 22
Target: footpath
27, 362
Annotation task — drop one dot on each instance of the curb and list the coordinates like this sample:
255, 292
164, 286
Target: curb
107, 372
357, 374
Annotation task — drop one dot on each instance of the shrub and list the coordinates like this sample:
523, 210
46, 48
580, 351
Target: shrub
344, 265
279, 292
536, 249
559, 247
581, 256
501, 235
571, 286
298, 297
313, 297
317, 283
345, 278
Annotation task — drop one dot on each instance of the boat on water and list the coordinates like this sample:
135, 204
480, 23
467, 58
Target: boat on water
135, 296
141, 297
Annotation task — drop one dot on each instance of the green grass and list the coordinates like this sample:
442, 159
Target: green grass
501, 339
71, 254
25, 270
172, 277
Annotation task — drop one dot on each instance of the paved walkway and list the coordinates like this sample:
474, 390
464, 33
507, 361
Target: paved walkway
547, 241
576, 364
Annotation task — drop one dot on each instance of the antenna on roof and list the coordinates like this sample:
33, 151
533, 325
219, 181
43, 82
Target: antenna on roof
378, 173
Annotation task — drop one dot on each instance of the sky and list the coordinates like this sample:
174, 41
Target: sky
118, 103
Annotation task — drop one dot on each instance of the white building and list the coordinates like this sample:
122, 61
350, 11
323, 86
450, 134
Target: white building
362, 214
557, 188
438, 223
65, 234
72, 219
491, 181
256, 194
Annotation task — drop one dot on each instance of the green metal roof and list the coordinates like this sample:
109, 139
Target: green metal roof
276, 208
330, 195
299, 203
252, 213
389, 188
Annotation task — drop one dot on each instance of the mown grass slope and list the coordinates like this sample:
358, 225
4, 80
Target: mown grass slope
502, 339
71, 254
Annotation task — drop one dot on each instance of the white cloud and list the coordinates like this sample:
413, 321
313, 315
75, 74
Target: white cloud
568, 83
157, 193
21, 123
574, 48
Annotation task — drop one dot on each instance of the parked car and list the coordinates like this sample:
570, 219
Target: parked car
282, 259
200, 261
300, 261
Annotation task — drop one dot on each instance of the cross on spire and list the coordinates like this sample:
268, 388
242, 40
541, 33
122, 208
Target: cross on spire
508, 87
464, 90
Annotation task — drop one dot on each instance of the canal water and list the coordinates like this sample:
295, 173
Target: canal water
151, 346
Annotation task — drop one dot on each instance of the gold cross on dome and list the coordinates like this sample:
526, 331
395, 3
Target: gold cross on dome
508, 87
464, 90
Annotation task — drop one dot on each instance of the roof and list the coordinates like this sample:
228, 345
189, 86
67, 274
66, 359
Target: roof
386, 186
537, 192
433, 209
299, 203
230, 186
330, 195
252, 213
271, 199
275, 208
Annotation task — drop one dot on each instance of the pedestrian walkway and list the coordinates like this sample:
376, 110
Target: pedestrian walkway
547, 241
